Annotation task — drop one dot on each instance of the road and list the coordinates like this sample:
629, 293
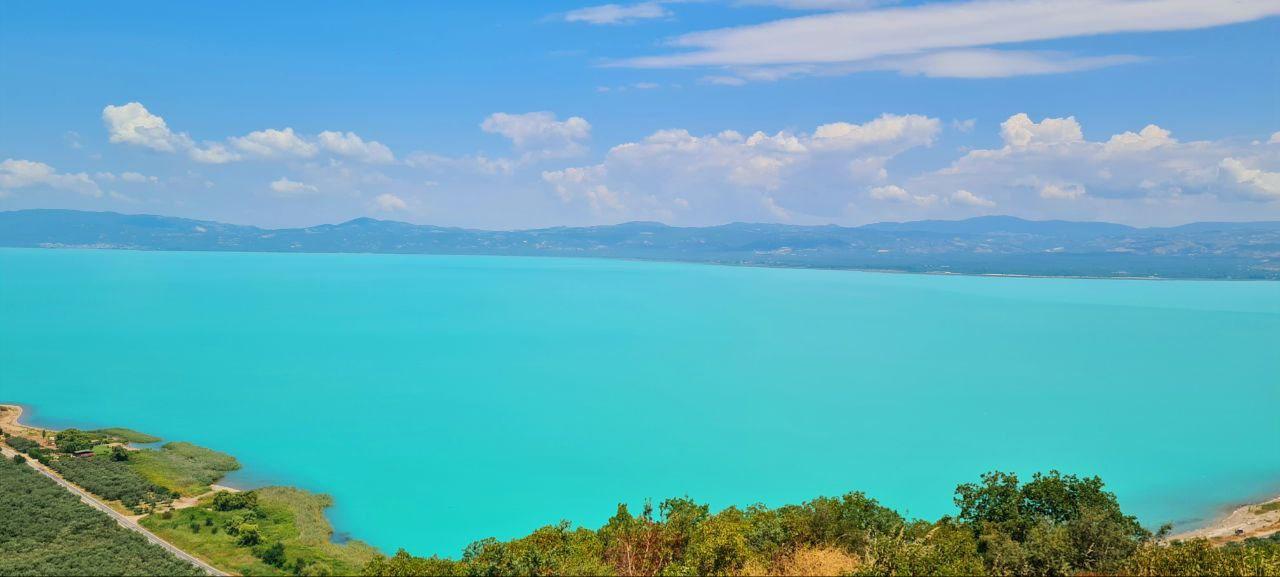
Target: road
124, 521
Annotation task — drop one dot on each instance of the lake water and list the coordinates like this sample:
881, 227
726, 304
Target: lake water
445, 399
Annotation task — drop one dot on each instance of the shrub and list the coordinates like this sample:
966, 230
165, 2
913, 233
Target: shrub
232, 501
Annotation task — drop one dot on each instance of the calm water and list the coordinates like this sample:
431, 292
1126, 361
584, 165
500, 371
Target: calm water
445, 399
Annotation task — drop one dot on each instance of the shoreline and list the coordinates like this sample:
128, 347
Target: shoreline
670, 261
1256, 519
1231, 523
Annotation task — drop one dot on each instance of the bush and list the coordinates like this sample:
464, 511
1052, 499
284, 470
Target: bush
247, 535
19, 460
232, 501
272, 555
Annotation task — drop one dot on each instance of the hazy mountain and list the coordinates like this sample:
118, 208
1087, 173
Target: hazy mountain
984, 245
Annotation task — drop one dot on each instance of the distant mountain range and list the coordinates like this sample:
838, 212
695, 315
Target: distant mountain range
984, 245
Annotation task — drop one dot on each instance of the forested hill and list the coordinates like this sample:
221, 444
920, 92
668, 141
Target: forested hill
984, 245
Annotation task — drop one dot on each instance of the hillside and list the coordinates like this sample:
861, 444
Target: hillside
984, 245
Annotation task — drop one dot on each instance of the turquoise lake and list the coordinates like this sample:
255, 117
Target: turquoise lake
441, 400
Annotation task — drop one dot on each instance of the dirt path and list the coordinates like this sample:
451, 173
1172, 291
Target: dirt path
9, 420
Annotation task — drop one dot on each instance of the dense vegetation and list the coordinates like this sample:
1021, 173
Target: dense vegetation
21, 444
112, 480
1053, 525
139, 479
44, 530
128, 435
271, 531
182, 467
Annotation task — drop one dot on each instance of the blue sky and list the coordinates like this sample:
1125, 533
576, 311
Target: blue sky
507, 115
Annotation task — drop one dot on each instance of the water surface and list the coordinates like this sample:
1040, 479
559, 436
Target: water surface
446, 399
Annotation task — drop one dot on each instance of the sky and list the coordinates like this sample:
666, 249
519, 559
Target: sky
530, 114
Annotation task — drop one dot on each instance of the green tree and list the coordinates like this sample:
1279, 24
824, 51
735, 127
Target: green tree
272, 555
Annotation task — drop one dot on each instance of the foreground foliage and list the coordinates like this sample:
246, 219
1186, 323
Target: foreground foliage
1052, 525
270, 531
44, 530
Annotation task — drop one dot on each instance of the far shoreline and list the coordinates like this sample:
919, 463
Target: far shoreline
939, 273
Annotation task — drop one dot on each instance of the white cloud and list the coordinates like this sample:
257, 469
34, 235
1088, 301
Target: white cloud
272, 143
724, 80
970, 199
895, 193
17, 173
540, 134
816, 4
985, 63
617, 13
1069, 191
213, 153
351, 145
1019, 131
1149, 137
137, 177
388, 202
1255, 182
130, 177
757, 177
287, 187
133, 124
1042, 164
1275, 138
940, 38
965, 125
909, 130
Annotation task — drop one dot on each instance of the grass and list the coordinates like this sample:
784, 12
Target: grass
128, 435
183, 467
292, 517
1267, 507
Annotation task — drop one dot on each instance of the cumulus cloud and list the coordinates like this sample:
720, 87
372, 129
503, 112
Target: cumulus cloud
617, 13
1019, 131
1255, 182
18, 173
351, 145
286, 187
1051, 161
945, 38
970, 199
540, 134
272, 143
388, 202
759, 176
895, 193
133, 124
